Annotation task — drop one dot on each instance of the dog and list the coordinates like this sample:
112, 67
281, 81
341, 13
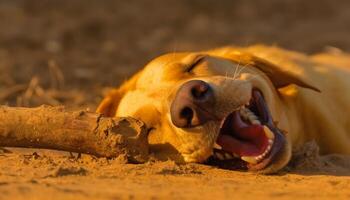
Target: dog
248, 107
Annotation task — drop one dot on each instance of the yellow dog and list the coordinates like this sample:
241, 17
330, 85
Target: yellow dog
245, 107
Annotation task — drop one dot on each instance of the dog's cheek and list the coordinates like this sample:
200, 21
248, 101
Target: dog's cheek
149, 115
271, 96
197, 145
180, 145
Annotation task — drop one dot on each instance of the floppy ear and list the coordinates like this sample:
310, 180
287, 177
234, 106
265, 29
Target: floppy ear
109, 105
278, 77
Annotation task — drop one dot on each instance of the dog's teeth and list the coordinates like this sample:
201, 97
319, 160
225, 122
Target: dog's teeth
243, 113
228, 156
216, 146
224, 155
268, 148
255, 160
235, 155
268, 133
256, 122
249, 159
247, 110
250, 116
258, 158
219, 156
265, 152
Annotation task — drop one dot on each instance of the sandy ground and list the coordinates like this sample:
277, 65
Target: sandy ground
53, 175
70, 52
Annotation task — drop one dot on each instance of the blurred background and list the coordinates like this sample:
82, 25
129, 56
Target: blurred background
71, 51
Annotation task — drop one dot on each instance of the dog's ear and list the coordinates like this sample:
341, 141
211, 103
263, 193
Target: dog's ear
109, 105
278, 77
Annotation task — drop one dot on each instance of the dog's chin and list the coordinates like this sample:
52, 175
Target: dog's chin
248, 139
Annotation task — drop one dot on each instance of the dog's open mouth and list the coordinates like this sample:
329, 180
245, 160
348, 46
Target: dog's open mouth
248, 138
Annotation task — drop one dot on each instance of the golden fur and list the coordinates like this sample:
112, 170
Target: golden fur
308, 96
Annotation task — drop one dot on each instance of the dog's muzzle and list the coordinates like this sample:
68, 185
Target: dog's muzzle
192, 104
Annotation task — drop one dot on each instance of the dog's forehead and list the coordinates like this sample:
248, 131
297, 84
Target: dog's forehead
153, 73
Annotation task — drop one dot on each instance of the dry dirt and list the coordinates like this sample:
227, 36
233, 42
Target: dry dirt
70, 52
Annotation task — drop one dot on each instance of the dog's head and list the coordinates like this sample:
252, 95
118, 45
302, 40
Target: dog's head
210, 106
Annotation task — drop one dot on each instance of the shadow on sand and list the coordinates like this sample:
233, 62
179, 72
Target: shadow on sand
308, 161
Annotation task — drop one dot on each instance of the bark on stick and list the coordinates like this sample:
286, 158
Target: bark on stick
81, 131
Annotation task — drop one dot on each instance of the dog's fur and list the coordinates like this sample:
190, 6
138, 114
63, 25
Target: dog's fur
308, 96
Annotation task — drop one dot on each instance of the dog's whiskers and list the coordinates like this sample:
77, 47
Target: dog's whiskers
240, 70
235, 73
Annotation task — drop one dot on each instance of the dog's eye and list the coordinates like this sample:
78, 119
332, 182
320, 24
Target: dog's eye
194, 64
149, 130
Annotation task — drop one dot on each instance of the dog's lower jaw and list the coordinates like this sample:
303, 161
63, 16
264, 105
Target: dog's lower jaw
198, 156
280, 161
197, 152
199, 149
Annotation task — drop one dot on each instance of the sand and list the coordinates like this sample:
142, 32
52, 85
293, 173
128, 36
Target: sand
55, 175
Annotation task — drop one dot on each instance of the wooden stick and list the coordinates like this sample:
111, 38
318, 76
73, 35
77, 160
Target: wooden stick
82, 132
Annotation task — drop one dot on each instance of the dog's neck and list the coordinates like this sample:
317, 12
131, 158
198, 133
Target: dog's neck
310, 117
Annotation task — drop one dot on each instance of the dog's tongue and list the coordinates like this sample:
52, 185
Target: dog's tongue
240, 138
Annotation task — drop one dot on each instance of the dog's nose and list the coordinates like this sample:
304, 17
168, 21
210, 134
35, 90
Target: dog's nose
191, 104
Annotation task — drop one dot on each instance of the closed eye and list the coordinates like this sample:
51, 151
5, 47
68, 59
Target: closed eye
194, 64
150, 129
